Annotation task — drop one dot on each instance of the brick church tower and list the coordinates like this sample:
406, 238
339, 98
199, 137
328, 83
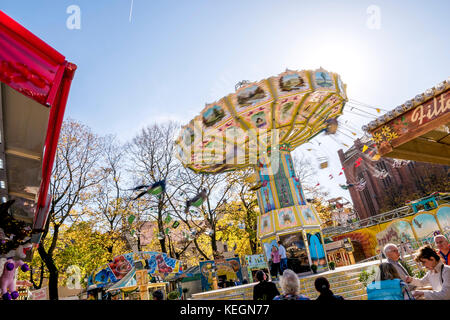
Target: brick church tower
409, 179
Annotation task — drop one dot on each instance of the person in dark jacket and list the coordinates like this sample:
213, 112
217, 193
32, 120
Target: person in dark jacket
323, 287
264, 290
158, 295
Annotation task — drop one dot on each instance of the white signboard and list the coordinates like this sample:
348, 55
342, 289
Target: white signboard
40, 294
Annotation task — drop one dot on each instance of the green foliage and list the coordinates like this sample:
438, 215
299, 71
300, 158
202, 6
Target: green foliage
366, 277
332, 265
420, 274
314, 268
407, 267
173, 295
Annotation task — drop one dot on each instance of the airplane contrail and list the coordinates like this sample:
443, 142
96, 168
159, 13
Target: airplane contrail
131, 9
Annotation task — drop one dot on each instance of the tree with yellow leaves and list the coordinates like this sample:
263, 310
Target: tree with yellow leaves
74, 174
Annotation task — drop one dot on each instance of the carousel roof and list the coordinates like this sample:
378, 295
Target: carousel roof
287, 110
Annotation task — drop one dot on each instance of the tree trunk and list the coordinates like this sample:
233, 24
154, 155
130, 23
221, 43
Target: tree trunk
214, 244
41, 277
53, 278
253, 246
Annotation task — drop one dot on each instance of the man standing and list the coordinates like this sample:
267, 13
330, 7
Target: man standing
438, 276
443, 246
264, 290
393, 256
283, 261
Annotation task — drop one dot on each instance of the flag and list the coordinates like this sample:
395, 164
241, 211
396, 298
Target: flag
331, 176
376, 157
340, 173
365, 148
318, 184
378, 110
131, 219
166, 231
175, 224
358, 162
168, 219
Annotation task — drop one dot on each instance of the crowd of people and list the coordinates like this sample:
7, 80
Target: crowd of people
392, 280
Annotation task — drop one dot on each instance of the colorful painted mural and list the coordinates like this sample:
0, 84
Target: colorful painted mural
156, 263
265, 192
286, 218
443, 216
412, 230
255, 263
309, 218
425, 226
265, 224
396, 232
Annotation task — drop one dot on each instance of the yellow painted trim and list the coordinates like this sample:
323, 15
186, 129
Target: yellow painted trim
294, 115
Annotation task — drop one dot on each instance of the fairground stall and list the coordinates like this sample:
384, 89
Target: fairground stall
258, 126
220, 273
134, 276
340, 252
35, 81
417, 130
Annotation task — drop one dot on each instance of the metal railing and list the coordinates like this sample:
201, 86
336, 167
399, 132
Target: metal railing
371, 221
380, 218
235, 296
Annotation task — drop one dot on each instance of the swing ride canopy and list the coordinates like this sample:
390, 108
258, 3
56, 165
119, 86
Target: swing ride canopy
35, 81
286, 110
417, 130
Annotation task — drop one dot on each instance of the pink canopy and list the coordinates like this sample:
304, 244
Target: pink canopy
35, 81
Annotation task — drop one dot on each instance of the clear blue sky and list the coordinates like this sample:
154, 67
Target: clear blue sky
174, 56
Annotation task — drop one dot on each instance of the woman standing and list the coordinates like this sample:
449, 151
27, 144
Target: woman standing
276, 258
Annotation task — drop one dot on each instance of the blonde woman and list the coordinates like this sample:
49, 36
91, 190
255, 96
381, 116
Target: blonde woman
290, 286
